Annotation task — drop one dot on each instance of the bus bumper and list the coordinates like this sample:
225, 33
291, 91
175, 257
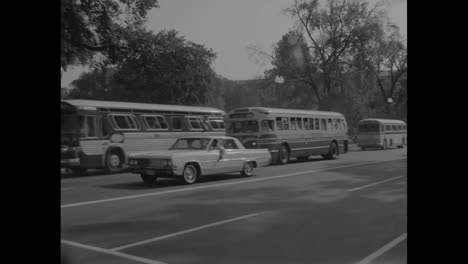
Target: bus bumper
65, 163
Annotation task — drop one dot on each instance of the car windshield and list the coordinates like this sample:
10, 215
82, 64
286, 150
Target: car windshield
191, 143
246, 126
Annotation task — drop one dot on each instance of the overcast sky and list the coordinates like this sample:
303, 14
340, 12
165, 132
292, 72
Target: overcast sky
228, 27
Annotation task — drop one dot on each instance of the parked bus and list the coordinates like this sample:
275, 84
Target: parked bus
289, 133
381, 133
101, 134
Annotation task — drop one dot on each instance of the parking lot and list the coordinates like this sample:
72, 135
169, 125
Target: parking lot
348, 210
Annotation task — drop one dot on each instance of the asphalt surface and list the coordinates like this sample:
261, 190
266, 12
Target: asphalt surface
348, 210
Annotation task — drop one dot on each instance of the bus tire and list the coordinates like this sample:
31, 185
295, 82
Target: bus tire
283, 154
148, 179
114, 161
190, 174
247, 169
332, 152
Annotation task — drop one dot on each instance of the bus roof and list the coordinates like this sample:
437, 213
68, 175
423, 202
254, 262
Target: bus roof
94, 105
285, 111
383, 121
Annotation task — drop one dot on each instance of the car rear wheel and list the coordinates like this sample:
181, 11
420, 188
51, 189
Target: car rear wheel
148, 179
247, 169
190, 174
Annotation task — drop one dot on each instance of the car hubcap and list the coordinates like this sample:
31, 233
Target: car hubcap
189, 174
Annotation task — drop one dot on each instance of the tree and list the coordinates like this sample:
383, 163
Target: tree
332, 32
90, 27
161, 68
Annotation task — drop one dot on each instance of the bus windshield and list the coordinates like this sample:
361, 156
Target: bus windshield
246, 126
369, 127
69, 124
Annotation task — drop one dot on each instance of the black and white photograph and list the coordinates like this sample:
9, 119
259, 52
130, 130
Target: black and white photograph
232, 132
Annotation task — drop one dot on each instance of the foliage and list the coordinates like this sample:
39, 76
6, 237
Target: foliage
90, 27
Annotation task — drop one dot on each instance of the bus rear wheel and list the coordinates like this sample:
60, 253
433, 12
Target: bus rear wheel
332, 152
283, 154
114, 161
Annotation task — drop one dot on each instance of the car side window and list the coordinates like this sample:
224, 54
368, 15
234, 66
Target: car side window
230, 144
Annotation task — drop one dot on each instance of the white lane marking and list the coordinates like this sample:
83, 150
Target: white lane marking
219, 184
110, 252
375, 183
64, 189
183, 232
382, 250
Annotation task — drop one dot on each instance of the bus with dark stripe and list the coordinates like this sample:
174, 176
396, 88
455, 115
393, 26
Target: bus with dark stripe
381, 133
289, 133
101, 134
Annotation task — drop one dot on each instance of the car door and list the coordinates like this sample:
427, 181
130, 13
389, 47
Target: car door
233, 158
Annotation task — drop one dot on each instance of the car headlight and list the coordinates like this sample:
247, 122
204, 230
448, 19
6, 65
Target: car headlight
168, 163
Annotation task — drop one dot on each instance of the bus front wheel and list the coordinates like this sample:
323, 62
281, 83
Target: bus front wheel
283, 154
114, 161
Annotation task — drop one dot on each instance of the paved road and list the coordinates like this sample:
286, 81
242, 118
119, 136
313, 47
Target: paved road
348, 210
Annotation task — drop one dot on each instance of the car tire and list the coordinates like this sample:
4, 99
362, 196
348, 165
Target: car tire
190, 174
247, 169
148, 179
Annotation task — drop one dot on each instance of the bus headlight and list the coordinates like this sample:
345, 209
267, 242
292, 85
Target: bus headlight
254, 144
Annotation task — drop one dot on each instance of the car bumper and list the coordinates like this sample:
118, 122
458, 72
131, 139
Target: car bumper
153, 171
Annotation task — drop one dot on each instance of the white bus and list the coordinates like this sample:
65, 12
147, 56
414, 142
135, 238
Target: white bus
381, 133
101, 134
289, 133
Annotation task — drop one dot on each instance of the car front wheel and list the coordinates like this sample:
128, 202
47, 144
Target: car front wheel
190, 174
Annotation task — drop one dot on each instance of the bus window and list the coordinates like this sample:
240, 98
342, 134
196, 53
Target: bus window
285, 123
388, 128
293, 123
317, 124
124, 122
267, 125
279, 123
195, 123
153, 122
216, 123
404, 127
329, 124
176, 123
400, 127
336, 124
394, 127
299, 123
104, 132
323, 124
307, 123
162, 122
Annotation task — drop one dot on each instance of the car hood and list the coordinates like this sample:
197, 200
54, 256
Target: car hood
164, 153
